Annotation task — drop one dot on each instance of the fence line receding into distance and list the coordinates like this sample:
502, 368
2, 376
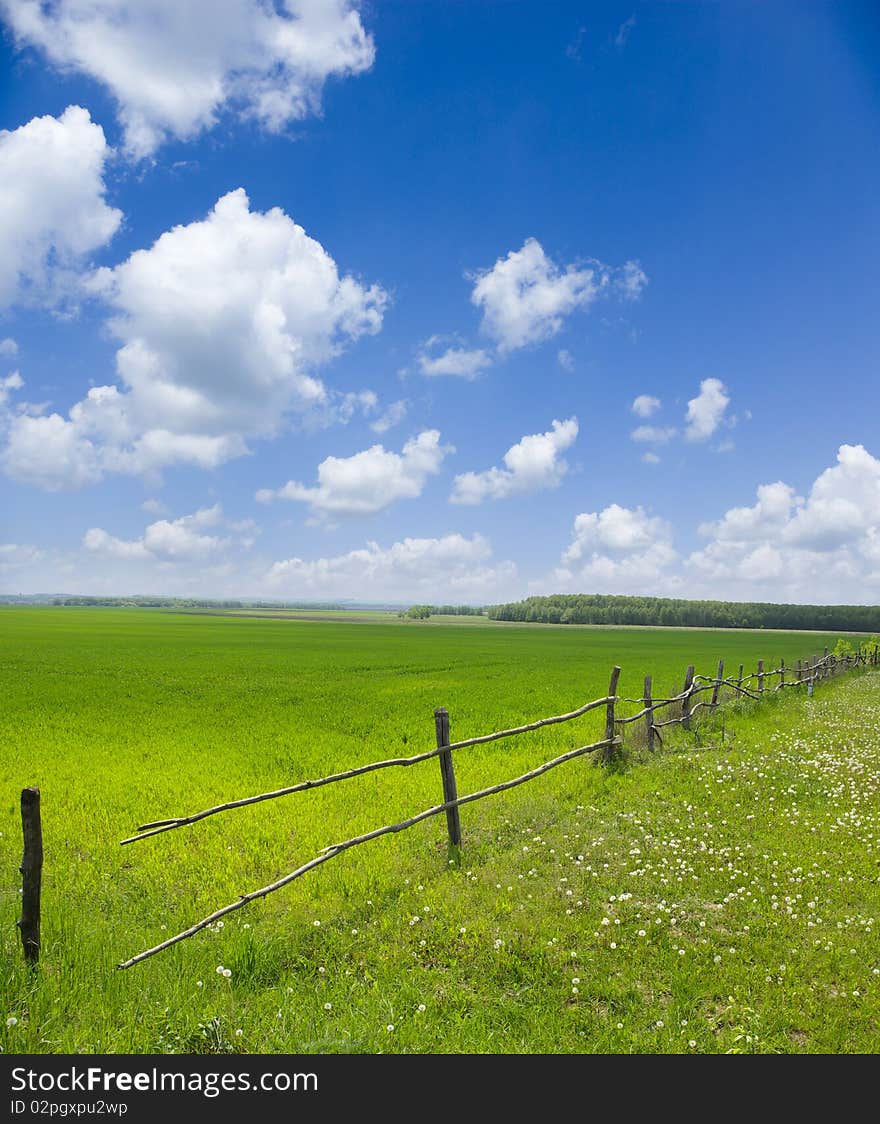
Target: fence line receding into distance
753, 686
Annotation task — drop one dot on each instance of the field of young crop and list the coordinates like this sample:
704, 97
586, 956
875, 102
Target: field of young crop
719, 897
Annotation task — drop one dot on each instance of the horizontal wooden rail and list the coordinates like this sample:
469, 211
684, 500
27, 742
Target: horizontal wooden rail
337, 848
156, 827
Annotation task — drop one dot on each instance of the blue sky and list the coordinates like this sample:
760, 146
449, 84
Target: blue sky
439, 301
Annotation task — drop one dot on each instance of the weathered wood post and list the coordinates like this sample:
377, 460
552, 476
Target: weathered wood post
760, 677
649, 717
739, 681
686, 701
31, 874
799, 671
782, 672
608, 752
447, 772
717, 686
811, 677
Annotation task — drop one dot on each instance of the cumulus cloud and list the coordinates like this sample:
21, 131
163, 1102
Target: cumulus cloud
532, 464
565, 359
391, 416
644, 405
368, 481
653, 434
8, 347
169, 540
18, 556
53, 211
822, 547
172, 68
450, 568
706, 411
525, 297
223, 323
460, 362
616, 550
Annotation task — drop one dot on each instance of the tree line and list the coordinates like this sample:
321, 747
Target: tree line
422, 612
612, 609
146, 602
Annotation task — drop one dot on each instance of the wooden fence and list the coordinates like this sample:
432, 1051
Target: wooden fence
804, 675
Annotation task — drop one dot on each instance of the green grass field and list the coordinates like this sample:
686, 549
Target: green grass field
705, 900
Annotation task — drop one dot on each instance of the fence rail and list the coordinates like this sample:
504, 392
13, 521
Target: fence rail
807, 674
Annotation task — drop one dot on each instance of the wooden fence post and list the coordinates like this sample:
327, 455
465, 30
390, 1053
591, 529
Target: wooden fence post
608, 752
760, 677
717, 686
782, 672
649, 717
447, 772
686, 701
799, 675
31, 874
739, 681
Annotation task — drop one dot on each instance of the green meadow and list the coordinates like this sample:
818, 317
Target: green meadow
717, 897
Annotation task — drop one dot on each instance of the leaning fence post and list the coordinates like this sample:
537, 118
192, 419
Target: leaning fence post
686, 702
608, 752
31, 873
447, 772
649, 716
717, 686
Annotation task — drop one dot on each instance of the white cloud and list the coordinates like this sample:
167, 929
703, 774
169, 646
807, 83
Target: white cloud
765, 519
166, 540
644, 405
450, 568
370, 480
8, 347
565, 359
650, 458
392, 415
616, 550
53, 213
819, 549
630, 280
706, 411
525, 297
623, 32
653, 434
457, 361
154, 507
615, 530
17, 556
173, 66
223, 324
532, 464
8, 383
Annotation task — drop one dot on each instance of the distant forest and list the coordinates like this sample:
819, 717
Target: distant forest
606, 609
191, 603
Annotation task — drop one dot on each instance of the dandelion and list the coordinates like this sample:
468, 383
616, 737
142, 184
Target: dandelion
238, 1032
322, 970
620, 1026
12, 1021
227, 972
642, 933
421, 1007
390, 1027
317, 924
328, 1006
692, 1044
